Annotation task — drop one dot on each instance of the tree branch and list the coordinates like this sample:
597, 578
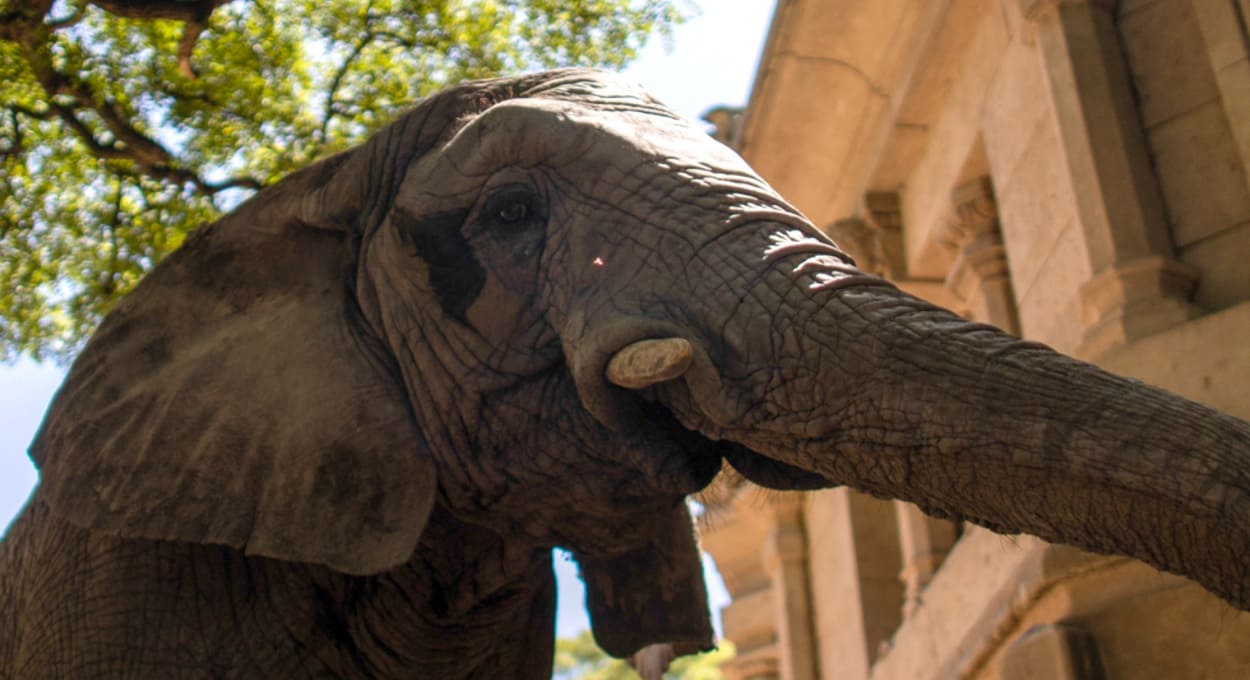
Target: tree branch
108, 282
26, 24
190, 35
97, 148
401, 40
337, 81
181, 10
213, 188
128, 143
21, 20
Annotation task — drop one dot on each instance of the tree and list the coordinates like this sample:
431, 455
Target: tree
126, 123
579, 658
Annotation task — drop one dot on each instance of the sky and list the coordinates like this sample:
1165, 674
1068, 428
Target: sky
710, 61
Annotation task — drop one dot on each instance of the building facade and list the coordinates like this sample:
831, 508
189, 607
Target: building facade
1073, 171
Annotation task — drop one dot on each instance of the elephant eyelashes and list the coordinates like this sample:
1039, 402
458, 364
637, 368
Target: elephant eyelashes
511, 208
512, 213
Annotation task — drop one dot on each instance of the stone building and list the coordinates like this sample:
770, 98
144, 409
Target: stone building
1074, 171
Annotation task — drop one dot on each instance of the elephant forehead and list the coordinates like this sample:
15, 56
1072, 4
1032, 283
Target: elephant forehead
577, 136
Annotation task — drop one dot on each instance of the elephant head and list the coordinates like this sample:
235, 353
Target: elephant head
458, 313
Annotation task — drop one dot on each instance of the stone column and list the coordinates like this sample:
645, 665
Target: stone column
980, 277
727, 124
876, 244
1138, 287
924, 542
784, 557
854, 565
760, 545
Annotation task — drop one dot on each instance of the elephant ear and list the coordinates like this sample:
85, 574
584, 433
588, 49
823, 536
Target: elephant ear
653, 595
237, 397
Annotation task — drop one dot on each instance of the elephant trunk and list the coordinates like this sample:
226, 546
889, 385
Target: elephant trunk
831, 372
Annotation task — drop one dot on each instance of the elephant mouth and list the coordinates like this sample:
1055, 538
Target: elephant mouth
689, 460
704, 453
653, 401
656, 408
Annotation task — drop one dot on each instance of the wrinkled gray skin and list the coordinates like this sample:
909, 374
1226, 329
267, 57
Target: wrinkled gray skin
338, 432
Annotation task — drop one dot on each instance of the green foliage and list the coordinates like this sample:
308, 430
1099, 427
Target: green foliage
119, 135
579, 658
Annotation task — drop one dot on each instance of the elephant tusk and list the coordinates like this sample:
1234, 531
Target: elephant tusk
649, 362
653, 660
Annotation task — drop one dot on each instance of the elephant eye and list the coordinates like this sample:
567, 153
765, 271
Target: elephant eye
511, 207
511, 213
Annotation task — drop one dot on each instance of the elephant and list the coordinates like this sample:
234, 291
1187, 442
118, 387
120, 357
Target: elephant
338, 432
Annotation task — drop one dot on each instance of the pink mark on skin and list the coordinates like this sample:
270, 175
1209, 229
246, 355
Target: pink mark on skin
598, 261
